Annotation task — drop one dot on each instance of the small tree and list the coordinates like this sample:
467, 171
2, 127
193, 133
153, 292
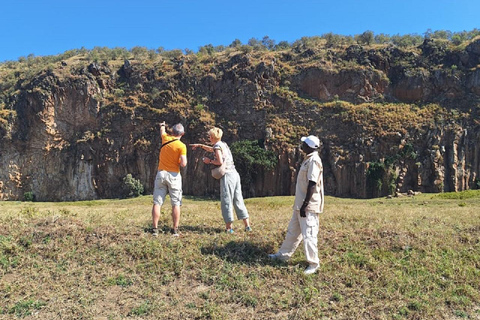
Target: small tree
268, 43
132, 187
208, 49
365, 38
235, 44
139, 52
332, 39
282, 45
256, 44
382, 38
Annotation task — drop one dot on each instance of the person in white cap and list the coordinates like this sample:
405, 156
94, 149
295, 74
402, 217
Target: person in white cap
308, 204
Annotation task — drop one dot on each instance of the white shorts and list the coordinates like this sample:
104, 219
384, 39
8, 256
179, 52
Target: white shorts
167, 182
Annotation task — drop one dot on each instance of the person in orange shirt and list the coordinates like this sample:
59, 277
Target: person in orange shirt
173, 155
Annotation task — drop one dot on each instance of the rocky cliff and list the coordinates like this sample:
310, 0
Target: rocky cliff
390, 120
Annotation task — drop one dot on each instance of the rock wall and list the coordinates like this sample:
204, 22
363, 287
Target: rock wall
69, 141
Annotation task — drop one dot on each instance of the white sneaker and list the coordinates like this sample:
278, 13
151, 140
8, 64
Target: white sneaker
311, 269
175, 233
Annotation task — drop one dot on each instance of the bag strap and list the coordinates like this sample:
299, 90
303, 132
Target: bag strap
168, 143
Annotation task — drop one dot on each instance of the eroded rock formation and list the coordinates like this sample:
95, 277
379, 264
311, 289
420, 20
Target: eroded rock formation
415, 115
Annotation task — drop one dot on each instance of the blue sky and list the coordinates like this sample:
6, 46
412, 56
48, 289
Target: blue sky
50, 27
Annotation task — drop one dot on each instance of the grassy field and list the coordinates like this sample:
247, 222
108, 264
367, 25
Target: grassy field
402, 258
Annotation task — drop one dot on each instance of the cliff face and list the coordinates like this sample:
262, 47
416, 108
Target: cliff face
389, 120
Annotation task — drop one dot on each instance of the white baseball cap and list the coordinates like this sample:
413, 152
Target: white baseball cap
311, 141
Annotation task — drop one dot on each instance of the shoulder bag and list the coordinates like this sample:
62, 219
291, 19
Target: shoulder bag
219, 171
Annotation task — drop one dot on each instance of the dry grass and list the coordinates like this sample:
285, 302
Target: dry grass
405, 258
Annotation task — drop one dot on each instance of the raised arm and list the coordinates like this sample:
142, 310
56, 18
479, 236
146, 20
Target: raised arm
162, 128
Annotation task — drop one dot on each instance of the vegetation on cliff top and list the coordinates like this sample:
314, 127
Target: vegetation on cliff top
13, 73
165, 67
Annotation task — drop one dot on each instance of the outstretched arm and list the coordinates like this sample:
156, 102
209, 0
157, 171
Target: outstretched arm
203, 146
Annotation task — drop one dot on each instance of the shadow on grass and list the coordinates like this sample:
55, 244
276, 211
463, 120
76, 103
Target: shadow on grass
202, 198
194, 229
202, 229
243, 252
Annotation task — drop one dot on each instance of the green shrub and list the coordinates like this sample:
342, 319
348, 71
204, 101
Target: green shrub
251, 158
375, 174
408, 152
392, 185
119, 92
132, 187
29, 196
253, 155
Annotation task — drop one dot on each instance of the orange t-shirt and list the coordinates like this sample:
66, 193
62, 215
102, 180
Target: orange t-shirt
169, 158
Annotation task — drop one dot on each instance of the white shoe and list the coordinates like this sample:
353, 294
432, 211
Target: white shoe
311, 269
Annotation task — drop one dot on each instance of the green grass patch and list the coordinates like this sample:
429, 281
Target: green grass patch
402, 258
467, 194
25, 308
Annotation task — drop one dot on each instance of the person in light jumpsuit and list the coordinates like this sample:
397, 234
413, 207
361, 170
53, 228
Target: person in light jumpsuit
309, 200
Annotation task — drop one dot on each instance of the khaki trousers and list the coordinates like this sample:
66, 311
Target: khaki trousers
302, 228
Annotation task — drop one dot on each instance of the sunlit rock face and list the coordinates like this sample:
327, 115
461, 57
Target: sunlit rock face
390, 122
